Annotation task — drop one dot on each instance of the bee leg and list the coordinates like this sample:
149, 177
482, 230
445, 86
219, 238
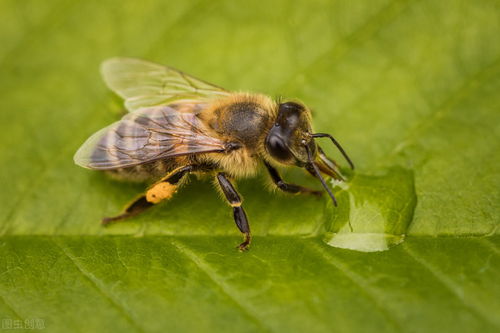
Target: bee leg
240, 217
136, 207
161, 190
286, 187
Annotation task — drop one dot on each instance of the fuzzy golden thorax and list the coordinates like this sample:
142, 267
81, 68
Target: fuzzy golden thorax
243, 118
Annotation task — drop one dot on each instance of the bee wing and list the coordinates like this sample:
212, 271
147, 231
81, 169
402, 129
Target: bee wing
148, 135
144, 84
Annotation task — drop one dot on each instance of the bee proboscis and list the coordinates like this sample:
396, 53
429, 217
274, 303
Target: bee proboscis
178, 125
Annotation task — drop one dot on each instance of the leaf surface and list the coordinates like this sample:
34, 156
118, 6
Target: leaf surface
410, 89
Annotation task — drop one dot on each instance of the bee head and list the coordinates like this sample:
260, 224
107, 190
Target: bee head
292, 129
291, 142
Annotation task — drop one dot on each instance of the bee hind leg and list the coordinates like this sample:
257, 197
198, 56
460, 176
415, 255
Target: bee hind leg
240, 217
136, 207
161, 190
286, 187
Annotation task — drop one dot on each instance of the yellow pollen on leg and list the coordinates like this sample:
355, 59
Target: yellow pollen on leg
160, 192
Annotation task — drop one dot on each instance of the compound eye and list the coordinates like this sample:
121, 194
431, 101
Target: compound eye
277, 148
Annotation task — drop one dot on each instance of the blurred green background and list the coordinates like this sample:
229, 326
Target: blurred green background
410, 89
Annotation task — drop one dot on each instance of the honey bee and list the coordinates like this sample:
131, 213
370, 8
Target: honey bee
178, 125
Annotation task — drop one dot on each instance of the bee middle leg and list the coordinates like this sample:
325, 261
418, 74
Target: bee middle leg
239, 215
286, 187
162, 190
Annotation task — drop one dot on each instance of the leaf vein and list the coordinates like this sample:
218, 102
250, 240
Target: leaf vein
467, 87
490, 245
453, 287
96, 284
205, 267
10, 307
371, 293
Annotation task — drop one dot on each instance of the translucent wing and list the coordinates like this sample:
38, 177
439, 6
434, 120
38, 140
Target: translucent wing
144, 84
148, 135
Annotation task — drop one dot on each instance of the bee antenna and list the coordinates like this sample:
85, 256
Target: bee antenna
318, 174
339, 147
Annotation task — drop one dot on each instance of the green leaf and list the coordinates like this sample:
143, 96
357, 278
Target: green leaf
410, 89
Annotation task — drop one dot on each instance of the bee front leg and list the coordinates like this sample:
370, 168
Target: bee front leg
286, 187
161, 190
240, 217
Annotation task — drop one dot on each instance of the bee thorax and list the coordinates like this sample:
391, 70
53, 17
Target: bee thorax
242, 118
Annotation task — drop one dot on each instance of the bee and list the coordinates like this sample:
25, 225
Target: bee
179, 125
